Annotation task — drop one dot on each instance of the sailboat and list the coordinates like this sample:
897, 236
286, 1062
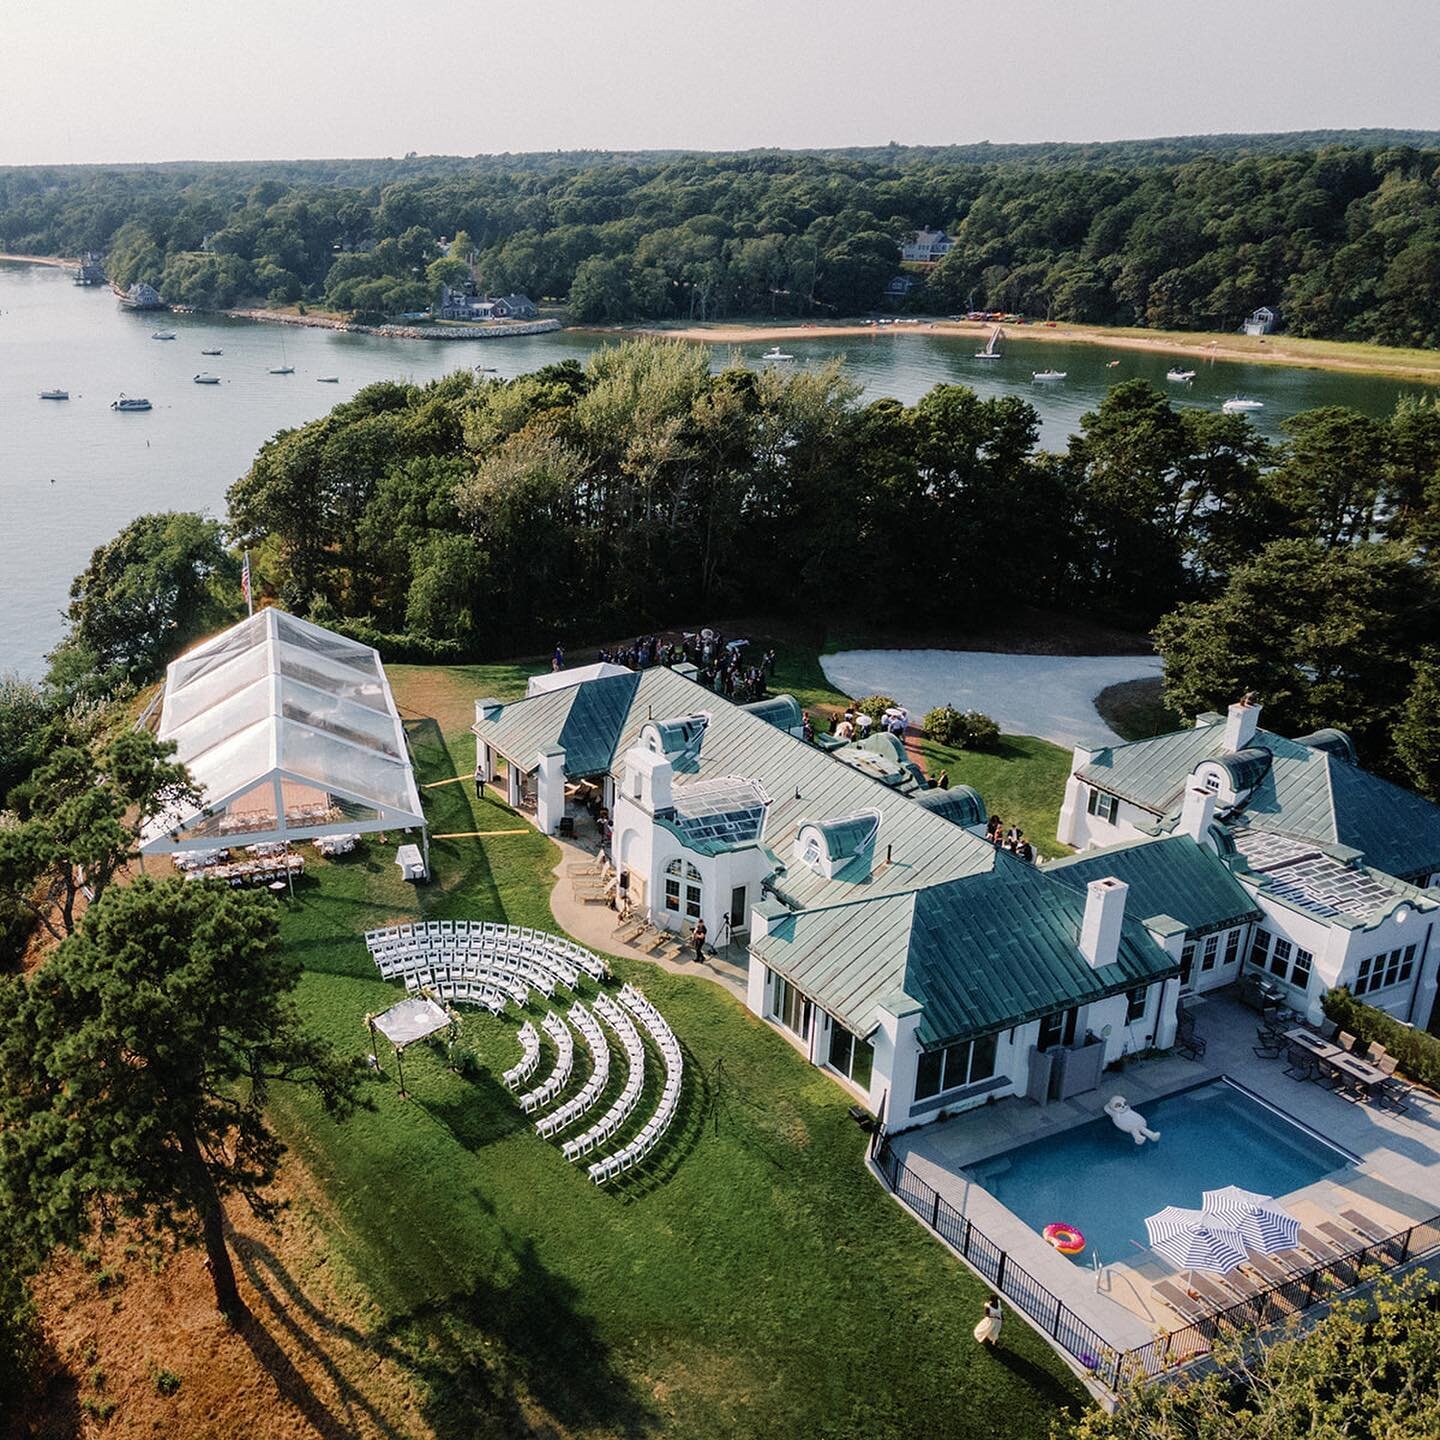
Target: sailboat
284, 367
991, 350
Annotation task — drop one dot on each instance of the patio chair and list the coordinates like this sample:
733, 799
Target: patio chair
1345, 1040
1372, 1229
1321, 1250
1375, 1052
1346, 1241
1300, 1064
1270, 1046
1393, 1092
1328, 1029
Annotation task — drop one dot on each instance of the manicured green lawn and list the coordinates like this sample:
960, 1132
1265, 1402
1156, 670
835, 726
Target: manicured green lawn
1023, 781
755, 1281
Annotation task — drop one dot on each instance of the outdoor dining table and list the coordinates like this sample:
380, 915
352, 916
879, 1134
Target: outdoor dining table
1360, 1070
1309, 1040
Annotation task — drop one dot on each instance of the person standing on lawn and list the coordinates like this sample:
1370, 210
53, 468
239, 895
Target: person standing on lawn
987, 1332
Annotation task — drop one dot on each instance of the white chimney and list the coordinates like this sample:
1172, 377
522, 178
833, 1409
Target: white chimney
1199, 811
1100, 929
1240, 724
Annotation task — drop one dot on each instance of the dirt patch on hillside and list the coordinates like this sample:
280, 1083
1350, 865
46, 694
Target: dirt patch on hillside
138, 1349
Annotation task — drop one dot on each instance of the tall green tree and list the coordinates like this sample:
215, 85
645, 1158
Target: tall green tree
1417, 731
78, 818
135, 1066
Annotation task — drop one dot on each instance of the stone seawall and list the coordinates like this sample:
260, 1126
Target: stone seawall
402, 332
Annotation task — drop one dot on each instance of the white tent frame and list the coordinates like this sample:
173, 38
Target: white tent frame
163, 834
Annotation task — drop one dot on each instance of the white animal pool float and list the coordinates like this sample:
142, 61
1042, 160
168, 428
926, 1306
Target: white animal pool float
1132, 1122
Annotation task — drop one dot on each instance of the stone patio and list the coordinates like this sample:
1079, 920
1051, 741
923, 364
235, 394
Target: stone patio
1397, 1180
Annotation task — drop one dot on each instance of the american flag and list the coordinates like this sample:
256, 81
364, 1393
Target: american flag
245, 583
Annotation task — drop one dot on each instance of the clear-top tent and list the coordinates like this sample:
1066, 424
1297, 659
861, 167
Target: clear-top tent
291, 731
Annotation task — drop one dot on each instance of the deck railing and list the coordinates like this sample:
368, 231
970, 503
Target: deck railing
1168, 1352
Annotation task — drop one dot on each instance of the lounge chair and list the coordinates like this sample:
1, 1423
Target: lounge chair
1220, 1299
1319, 1249
1371, 1228
1186, 1308
1346, 1241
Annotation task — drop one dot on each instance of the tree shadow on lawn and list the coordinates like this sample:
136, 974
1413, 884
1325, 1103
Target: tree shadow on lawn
482, 1113
549, 1355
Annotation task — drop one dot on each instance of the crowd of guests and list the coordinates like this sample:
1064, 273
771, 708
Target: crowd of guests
722, 663
1012, 839
855, 724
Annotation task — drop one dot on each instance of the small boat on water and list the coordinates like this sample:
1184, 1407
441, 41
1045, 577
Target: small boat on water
162, 335
775, 353
212, 352
1240, 403
54, 394
1047, 374
126, 403
204, 378
1111, 364
1179, 377
282, 370
992, 347
327, 379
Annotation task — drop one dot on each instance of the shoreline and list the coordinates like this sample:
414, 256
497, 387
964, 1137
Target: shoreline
1294, 353
58, 261
387, 332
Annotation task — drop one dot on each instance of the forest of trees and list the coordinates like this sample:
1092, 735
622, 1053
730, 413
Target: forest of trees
475, 518
1340, 231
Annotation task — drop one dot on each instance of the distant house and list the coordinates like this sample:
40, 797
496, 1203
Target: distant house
456, 304
1262, 322
91, 271
141, 296
927, 247
899, 287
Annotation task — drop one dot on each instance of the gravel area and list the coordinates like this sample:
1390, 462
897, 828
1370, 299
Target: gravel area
1052, 696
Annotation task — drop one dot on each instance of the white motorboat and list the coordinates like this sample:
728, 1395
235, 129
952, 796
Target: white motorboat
162, 335
775, 353
1239, 403
212, 352
126, 403
992, 347
282, 370
327, 379
54, 394
1179, 377
1047, 374
204, 378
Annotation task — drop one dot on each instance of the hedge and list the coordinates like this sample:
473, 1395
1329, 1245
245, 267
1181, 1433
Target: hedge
404, 649
1416, 1052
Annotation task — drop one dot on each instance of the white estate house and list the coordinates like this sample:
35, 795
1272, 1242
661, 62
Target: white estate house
1339, 864
887, 940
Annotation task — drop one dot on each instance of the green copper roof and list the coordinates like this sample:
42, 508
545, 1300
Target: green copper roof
1309, 790
960, 805
781, 711
1172, 876
976, 954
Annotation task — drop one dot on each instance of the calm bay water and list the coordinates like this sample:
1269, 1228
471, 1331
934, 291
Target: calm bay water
73, 472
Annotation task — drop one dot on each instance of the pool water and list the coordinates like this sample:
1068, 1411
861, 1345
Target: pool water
1096, 1178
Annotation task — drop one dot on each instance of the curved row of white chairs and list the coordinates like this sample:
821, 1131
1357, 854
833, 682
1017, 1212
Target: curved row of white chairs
594, 1087
393, 945
518, 1074
639, 1146
470, 987
629, 1097
559, 1077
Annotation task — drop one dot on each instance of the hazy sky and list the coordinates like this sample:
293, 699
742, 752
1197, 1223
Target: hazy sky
205, 79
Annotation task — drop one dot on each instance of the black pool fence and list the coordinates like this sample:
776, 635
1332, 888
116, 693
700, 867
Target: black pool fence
1172, 1350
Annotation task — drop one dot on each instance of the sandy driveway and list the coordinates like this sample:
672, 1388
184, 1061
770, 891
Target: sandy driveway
1047, 695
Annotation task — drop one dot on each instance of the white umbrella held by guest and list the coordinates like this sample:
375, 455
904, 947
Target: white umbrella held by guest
1193, 1240
1265, 1226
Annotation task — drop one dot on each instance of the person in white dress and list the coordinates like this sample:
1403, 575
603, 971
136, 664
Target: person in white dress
987, 1332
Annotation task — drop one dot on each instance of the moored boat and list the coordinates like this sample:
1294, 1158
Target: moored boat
282, 370
162, 334
204, 378
327, 379
775, 353
1239, 403
54, 394
212, 352
1047, 374
128, 403
1179, 376
992, 347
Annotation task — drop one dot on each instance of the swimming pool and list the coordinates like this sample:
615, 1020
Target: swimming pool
1097, 1178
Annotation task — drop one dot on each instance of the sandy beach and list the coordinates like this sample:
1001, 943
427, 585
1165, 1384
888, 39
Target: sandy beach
38, 259
1420, 365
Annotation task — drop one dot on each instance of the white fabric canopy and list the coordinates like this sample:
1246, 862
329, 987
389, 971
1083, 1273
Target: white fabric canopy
410, 1020
291, 732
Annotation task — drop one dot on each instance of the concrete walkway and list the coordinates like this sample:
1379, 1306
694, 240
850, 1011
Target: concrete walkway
1052, 696
594, 925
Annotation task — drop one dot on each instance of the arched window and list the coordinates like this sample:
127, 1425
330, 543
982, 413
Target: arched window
682, 889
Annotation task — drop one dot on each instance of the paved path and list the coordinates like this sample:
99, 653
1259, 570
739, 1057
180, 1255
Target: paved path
1051, 696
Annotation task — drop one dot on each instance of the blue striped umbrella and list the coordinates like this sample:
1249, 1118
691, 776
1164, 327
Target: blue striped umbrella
1266, 1227
1193, 1240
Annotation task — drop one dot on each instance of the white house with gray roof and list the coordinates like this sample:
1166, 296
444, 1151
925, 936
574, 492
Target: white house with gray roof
1341, 864
886, 939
